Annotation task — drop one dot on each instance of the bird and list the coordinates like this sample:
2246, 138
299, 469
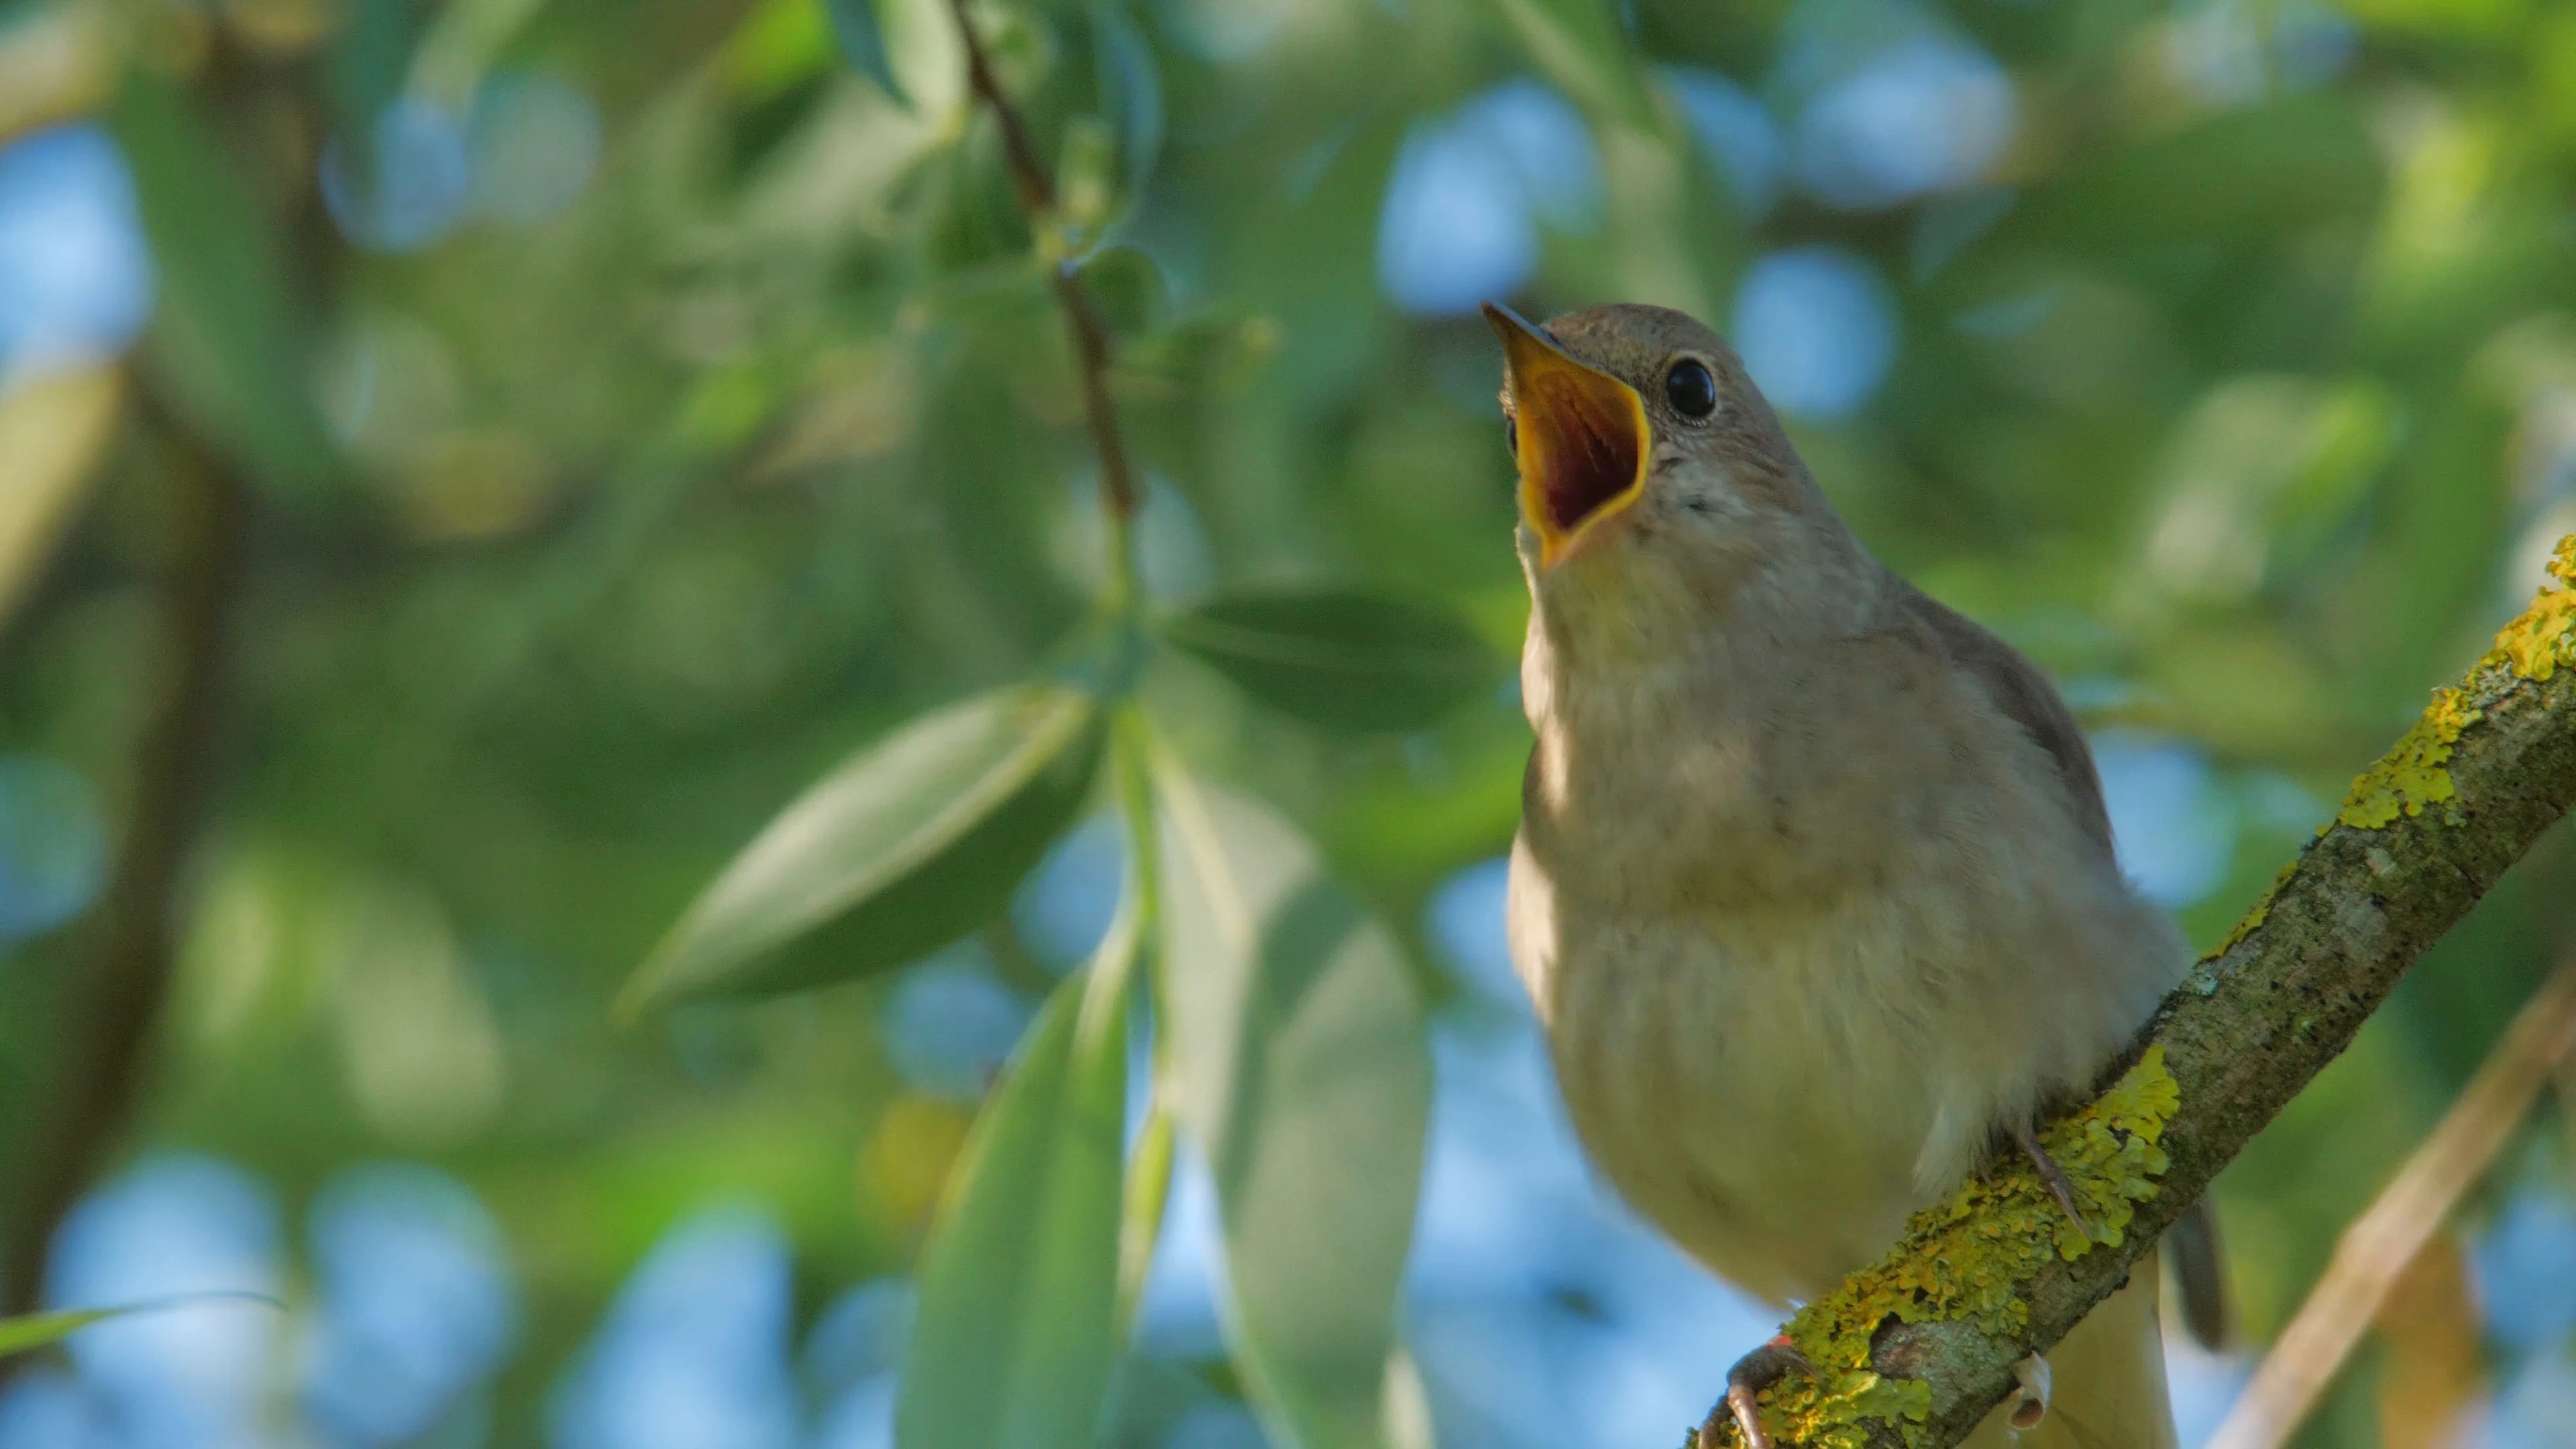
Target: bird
1814, 890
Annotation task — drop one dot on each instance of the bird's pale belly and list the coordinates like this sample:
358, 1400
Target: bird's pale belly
1764, 1093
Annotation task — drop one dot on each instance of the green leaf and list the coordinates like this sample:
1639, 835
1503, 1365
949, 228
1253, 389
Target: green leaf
31, 1331
911, 843
1298, 1036
223, 334
1019, 1281
856, 25
35, 1330
1339, 657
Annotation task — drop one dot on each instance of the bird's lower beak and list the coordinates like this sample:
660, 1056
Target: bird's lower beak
1583, 437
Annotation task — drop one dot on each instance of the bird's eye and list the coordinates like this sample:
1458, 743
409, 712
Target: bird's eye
1512, 434
1691, 389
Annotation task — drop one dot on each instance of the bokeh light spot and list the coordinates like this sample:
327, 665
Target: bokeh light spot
53, 845
1468, 189
1735, 133
1064, 908
693, 1353
416, 1302
2172, 821
75, 275
1816, 328
534, 142
414, 189
1925, 115
949, 1025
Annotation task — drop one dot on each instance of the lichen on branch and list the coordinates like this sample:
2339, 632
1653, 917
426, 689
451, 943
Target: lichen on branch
1964, 1258
1914, 1350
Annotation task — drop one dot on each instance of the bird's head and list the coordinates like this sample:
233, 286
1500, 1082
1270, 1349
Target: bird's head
1652, 469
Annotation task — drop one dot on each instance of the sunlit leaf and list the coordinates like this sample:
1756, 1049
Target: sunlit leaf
224, 336
911, 843
1340, 657
1297, 1031
861, 34
51, 432
1019, 1281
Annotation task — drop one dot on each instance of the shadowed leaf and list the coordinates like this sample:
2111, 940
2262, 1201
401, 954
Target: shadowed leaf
1339, 657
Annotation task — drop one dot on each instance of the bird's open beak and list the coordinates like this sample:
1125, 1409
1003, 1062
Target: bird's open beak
1583, 437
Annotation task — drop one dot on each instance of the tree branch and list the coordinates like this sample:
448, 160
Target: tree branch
1089, 335
115, 1003
1982, 1281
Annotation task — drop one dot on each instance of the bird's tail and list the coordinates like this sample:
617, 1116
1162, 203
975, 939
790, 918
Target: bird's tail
2107, 1381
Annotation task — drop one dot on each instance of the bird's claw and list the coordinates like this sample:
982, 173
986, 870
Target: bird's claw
2059, 1185
1745, 1382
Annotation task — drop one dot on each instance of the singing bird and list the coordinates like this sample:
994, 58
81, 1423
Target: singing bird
1814, 888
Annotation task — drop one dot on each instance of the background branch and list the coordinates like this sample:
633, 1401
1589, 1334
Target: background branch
1083, 325
114, 1001
2377, 1249
2427, 831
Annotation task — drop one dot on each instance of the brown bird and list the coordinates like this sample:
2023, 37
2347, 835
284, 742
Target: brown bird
1814, 887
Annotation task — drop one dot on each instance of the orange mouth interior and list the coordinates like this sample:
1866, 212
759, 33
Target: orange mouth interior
1582, 435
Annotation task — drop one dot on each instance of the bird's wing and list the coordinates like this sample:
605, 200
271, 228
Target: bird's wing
2018, 689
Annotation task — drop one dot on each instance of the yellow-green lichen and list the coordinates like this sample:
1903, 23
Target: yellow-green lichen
2261, 910
1965, 1260
2534, 645
2411, 776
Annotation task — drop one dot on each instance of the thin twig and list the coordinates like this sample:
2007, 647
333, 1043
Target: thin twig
111, 1020
1089, 335
2375, 1251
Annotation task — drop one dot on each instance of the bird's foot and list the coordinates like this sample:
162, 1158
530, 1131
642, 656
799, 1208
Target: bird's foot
1745, 1382
2055, 1176
2030, 1392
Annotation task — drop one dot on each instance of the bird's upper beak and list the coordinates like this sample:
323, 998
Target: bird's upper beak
1583, 437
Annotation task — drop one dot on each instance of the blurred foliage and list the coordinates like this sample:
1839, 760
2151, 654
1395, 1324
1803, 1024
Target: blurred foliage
615, 532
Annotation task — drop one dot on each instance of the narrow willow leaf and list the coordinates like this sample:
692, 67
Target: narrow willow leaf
861, 35
1299, 1039
1019, 1281
1339, 657
224, 336
31, 1331
911, 843
35, 1330
52, 430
